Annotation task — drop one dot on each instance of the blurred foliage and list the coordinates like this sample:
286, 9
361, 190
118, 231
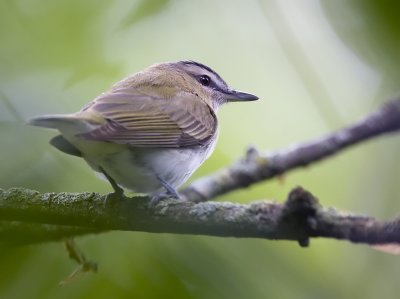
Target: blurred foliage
316, 65
144, 9
41, 34
374, 33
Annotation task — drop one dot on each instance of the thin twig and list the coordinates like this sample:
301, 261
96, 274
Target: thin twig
256, 167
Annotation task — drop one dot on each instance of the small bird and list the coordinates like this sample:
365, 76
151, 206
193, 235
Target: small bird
151, 130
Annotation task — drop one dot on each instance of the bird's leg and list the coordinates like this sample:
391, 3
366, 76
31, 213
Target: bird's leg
170, 190
170, 193
118, 193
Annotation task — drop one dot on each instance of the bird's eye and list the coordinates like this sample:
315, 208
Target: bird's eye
204, 80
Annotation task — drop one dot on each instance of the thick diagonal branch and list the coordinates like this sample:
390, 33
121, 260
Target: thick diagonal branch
257, 167
299, 218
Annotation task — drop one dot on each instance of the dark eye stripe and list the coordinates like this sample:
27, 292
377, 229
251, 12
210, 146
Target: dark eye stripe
208, 69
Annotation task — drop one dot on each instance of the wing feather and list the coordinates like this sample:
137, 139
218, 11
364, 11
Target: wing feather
141, 120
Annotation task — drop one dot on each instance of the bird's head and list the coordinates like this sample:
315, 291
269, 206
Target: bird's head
195, 78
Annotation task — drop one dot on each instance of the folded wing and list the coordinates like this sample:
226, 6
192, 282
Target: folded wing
143, 120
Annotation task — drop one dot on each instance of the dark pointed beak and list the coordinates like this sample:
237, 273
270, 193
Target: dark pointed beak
238, 96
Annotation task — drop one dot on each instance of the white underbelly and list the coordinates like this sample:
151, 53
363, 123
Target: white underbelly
138, 169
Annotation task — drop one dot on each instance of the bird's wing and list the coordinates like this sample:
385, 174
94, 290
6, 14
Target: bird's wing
143, 120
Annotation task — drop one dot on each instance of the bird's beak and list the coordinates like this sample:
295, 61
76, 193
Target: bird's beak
238, 96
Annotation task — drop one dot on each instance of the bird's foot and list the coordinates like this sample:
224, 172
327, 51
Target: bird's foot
112, 199
157, 198
117, 196
169, 194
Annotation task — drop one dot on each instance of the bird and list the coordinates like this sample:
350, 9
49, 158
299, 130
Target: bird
150, 131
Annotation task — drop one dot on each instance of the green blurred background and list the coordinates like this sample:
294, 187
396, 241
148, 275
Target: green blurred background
316, 66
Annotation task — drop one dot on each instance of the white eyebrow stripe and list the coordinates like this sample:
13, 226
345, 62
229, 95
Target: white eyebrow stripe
220, 84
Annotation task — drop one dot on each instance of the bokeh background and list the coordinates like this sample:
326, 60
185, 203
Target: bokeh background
316, 66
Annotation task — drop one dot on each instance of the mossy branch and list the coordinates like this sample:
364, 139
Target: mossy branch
28, 216
298, 218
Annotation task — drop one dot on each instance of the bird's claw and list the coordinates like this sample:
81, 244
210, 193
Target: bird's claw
157, 198
112, 199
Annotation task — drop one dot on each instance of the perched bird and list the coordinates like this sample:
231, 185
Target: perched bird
151, 130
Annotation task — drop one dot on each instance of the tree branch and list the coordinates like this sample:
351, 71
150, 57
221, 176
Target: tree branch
299, 218
30, 216
255, 167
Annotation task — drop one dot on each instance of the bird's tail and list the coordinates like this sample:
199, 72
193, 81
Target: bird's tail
53, 121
